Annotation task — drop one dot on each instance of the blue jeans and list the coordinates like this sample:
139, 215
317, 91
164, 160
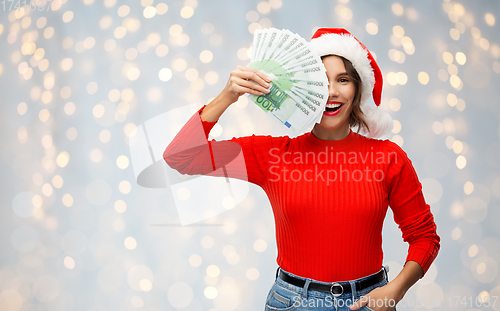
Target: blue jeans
284, 296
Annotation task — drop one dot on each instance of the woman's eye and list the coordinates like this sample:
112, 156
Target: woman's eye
344, 80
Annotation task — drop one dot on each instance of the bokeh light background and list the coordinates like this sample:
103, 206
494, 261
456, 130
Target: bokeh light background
77, 77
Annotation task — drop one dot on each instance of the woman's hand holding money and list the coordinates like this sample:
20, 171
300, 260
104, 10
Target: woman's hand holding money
241, 80
246, 80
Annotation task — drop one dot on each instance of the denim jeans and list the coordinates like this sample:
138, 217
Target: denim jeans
284, 296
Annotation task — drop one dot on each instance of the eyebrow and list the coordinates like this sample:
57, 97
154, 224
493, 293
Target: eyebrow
342, 74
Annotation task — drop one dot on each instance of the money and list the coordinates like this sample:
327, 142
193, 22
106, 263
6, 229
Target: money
299, 86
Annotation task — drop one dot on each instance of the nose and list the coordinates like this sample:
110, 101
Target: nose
332, 90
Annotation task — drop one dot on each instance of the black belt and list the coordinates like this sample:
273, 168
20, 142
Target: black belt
334, 288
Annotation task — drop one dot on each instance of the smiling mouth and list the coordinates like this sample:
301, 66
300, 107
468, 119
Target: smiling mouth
332, 107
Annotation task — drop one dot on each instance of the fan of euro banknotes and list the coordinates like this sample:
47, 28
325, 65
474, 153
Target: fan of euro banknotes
299, 87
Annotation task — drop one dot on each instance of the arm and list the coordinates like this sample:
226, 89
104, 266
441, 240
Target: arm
416, 222
409, 275
237, 85
244, 158
394, 290
411, 212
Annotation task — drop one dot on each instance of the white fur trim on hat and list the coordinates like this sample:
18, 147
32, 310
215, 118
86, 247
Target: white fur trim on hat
379, 121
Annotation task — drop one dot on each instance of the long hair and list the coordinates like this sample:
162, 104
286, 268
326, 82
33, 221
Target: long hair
357, 117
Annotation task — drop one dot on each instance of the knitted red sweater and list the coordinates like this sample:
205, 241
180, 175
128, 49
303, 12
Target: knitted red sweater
329, 198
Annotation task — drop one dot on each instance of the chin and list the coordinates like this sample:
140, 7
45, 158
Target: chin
331, 124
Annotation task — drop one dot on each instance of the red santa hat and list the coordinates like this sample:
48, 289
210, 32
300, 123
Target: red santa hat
338, 41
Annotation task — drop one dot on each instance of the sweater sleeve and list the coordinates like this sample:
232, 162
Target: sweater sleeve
411, 212
245, 158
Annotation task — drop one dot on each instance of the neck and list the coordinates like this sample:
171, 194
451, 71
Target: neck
331, 134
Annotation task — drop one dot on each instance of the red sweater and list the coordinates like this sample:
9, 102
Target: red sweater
329, 198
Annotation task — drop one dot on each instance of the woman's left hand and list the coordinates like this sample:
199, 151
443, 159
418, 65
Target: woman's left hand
382, 298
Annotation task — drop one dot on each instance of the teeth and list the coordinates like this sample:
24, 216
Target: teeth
333, 105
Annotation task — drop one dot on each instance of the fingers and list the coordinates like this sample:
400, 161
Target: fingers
252, 74
241, 90
251, 85
355, 306
248, 80
359, 303
261, 77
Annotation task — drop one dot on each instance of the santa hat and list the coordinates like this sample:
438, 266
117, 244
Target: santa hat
338, 41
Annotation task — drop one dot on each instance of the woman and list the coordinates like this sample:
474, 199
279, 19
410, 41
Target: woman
329, 188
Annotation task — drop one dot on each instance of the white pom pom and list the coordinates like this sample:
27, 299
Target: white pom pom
379, 121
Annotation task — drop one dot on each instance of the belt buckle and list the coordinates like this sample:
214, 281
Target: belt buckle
331, 289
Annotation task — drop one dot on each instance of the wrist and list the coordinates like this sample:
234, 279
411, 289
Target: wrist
226, 98
398, 289
213, 111
409, 275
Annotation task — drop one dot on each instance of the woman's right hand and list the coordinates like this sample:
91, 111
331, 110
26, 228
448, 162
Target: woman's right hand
243, 80
238, 84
